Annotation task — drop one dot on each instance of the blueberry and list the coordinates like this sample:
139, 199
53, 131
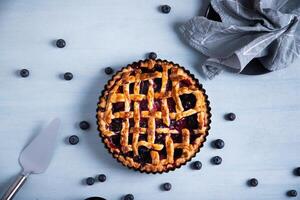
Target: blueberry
217, 160
152, 55
292, 193
197, 165
68, 76
230, 116
84, 125
60, 43
95, 198
24, 73
188, 101
109, 70
219, 144
297, 171
129, 197
165, 9
167, 186
73, 139
253, 182
101, 177
90, 181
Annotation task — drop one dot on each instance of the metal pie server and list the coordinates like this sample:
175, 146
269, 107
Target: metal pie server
35, 158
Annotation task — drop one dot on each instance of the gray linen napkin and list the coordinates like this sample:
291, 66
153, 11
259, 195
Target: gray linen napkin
264, 29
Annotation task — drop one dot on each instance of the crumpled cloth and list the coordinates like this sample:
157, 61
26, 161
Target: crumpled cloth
265, 29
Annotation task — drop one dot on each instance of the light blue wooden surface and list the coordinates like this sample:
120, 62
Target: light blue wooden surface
263, 142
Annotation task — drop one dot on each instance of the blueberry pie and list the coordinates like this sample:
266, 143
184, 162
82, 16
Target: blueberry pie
153, 116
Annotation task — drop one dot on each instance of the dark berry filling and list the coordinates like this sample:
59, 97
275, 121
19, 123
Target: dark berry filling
188, 101
116, 125
132, 106
171, 104
193, 137
160, 138
144, 86
129, 138
117, 107
178, 125
177, 153
169, 85
146, 70
144, 155
144, 105
143, 122
185, 83
131, 88
159, 123
131, 122
128, 154
157, 84
115, 140
120, 89
192, 121
163, 153
135, 65
143, 137
177, 138
158, 68
101, 109
157, 105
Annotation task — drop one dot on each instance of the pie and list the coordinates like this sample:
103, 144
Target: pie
153, 116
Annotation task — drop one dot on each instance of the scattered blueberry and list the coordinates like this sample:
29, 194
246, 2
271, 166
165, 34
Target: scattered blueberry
292, 193
24, 73
197, 165
60, 43
101, 177
73, 139
165, 9
152, 55
217, 160
297, 171
230, 116
109, 70
90, 181
219, 144
68, 76
253, 182
167, 186
95, 198
84, 125
129, 197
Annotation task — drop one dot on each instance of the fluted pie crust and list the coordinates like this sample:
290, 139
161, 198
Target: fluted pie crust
153, 116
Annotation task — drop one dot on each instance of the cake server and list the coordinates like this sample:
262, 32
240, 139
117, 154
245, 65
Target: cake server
35, 157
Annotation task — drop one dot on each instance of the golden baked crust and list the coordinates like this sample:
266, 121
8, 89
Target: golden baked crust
153, 116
